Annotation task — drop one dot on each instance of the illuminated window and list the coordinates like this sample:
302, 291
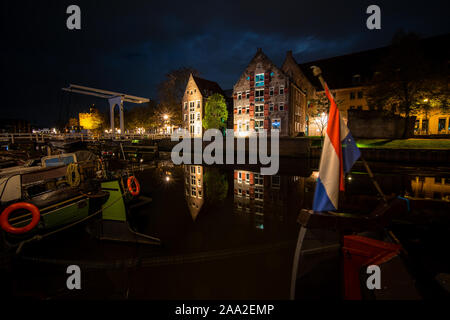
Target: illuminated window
193, 169
198, 116
259, 110
259, 80
247, 177
239, 176
259, 95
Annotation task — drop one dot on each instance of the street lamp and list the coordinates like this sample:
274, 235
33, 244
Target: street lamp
165, 117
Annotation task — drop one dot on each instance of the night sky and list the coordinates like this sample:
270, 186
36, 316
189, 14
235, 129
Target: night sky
128, 46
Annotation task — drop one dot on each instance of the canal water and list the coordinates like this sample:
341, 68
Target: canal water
230, 233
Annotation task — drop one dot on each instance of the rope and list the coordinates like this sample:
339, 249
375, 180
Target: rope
73, 169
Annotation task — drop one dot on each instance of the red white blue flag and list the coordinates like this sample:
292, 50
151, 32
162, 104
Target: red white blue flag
339, 153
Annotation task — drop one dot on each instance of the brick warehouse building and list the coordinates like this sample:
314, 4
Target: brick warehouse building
268, 97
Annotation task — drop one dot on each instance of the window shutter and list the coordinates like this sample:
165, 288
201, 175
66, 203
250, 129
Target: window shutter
235, 175
251, 182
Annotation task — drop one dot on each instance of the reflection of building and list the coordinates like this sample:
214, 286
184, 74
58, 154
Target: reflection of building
193, 103
266, 196
193, 186
431, 187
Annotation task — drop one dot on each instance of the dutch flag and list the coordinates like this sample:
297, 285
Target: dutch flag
339, 153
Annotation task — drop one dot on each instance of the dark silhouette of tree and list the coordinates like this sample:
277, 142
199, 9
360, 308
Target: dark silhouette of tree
171, 91
404, 79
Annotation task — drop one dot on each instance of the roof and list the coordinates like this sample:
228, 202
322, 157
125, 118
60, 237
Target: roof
339, 71
207, 87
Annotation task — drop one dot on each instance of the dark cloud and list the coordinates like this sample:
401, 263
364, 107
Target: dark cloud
128, 46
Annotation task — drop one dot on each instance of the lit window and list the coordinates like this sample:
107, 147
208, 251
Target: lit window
198, 116
185, 117
259, 80
259, 110
259, 95
259, 125
240, 177
198, 103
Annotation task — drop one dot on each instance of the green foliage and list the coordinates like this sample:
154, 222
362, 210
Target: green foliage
216, 185
216, 113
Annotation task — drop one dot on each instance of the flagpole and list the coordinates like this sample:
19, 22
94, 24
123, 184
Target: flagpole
318, 73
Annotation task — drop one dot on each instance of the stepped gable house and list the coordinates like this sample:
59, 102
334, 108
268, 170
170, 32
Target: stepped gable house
268, 97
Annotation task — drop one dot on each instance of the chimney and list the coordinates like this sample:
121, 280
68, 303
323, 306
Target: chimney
289, 53
259, 50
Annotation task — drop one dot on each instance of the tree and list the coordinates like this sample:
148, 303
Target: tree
216, 113
73, 122
92, 120
404, 79
317, 111
216, 186
171, 91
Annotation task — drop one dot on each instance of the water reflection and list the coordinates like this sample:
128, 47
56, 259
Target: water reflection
269, 197
193, 187
437, 188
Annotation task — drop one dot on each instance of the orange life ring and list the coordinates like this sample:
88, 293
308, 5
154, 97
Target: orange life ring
4, 223
130, 181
